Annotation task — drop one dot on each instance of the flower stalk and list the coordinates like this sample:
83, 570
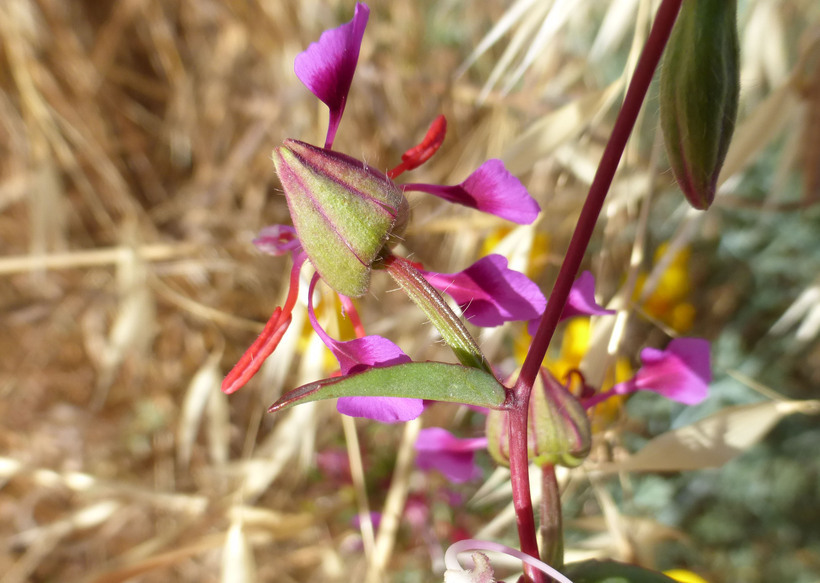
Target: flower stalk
450, 326
624, 124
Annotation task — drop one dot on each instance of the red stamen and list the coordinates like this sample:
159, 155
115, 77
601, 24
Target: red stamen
268, 340
293, 290
255, 356
353, 314
418, 155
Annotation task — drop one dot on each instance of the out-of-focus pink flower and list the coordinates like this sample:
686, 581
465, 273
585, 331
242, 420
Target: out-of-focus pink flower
438, 449
681, 372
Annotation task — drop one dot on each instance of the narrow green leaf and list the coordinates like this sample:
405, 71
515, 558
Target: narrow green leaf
612, 572
436, 381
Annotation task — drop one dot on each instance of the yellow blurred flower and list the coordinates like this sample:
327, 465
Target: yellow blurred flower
668, 302
684, 576
329, 313
539, 252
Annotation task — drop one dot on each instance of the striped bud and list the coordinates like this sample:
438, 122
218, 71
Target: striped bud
558, 431
699, 88
344, 212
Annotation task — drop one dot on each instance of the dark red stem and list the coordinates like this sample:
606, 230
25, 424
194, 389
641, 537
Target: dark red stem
625, 122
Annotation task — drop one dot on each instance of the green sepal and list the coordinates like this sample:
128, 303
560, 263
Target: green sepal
435, 381
343, 211
612, 572
699, 87
558, 429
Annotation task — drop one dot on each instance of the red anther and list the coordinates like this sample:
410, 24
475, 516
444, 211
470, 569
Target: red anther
418, 155
262, 347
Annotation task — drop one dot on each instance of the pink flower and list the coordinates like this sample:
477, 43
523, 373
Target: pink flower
681, 372
366, 352
489, 293
328, 65
438, 449
344, 213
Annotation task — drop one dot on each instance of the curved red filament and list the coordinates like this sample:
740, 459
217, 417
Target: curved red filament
353, 314
253, 358
418, 155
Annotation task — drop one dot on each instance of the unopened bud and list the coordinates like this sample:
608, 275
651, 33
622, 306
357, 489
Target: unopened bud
344, 212
699, 89
558, 431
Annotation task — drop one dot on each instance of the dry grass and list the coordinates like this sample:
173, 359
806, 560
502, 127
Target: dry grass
134, 172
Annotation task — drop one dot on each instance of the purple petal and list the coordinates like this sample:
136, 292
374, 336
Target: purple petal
491, 189
454, 457
581, 302
278, 240
384, 409
328, 65
375, 519
489, 293
361, 353
682, 372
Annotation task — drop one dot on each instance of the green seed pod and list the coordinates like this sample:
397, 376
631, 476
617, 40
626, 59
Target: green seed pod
558, 431
344, 212
699, 87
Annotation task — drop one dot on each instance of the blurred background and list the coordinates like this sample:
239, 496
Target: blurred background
135, 140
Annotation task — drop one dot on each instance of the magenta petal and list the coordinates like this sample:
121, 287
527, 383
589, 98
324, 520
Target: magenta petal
489, 293
367, 352
491, 189
452, 456
278, 240
328, 65
682, 372
359, 354
581, 300
375, 519
384, 409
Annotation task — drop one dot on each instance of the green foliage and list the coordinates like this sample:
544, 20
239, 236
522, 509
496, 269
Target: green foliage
435, 381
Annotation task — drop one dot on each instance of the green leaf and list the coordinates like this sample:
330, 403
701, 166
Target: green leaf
436, 381
612, 572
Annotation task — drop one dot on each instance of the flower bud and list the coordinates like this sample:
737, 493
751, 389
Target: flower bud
344, 212
699, 89
558, 431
